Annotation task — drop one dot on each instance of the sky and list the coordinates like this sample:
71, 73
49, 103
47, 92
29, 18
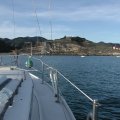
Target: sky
95, 20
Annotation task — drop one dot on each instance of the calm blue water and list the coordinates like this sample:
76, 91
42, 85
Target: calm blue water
99, 77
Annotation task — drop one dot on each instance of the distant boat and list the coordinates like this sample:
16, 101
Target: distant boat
82, 56
117, 56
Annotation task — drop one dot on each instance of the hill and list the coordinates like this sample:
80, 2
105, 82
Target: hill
65, 45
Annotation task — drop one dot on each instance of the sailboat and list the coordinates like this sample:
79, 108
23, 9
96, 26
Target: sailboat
26, 96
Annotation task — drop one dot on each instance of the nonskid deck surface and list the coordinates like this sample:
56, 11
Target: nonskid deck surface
48, 107
35, 101
15, 96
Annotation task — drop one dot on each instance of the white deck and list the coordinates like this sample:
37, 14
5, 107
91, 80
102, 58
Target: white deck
35, 101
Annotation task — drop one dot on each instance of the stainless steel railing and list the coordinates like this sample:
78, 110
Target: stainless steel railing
53, 75
54, 79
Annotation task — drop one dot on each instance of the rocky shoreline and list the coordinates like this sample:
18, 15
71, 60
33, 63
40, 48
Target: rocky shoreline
63, 46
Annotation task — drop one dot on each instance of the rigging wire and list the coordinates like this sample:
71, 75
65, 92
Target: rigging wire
37, 19
38, 23
13, 9
14, 32
50, 20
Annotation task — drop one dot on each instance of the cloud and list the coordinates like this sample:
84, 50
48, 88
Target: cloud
63, 17
82, 13
7, 12
102, 12
7, 30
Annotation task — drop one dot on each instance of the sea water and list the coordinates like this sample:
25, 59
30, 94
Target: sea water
97, 76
